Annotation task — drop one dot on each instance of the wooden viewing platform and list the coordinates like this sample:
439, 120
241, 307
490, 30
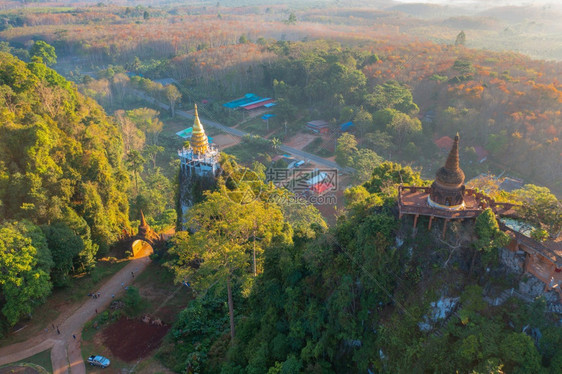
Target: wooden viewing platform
413, 200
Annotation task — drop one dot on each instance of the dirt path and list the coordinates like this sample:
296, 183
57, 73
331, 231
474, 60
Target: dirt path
66, 355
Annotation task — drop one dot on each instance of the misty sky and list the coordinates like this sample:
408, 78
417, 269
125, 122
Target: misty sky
488, 3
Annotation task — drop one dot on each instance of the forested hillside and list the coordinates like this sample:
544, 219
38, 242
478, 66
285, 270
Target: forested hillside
273, 288
504, 102
327, 64
62, 183
353, 298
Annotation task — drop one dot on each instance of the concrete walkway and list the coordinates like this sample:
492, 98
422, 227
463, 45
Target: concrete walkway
66, 355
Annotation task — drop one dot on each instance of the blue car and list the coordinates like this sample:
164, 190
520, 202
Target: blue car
100, 361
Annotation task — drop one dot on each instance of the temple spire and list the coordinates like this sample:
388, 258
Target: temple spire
197, 122
447, 190
452, 163
451, 174
142, 220
199, 140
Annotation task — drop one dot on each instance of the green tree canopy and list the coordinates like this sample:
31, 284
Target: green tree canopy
292, 19
364, 161
44, 51
402, 127
173, 95
490, 237
228, 237
306, 220
65, 246
464, 66
489, 234
146, 120
135, 163
345, 149
23, 284
540, 207
392, 95
388, 175
58, 152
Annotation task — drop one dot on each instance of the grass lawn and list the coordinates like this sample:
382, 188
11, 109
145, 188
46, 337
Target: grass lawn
156, 285
94, 347
244, 154
319, 147
42, 359
257, 126
104, 269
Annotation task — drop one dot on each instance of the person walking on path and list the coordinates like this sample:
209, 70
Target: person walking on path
66, 348
74, 336
133, 273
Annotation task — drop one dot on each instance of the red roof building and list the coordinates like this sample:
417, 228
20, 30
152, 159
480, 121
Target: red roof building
321, 188
444, 143
318, 126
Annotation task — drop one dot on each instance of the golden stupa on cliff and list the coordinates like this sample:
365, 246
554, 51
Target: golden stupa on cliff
199, 140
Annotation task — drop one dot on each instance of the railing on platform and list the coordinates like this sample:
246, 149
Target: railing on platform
482, 201
538, 247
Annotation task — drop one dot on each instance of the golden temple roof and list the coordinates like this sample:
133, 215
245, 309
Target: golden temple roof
199, 141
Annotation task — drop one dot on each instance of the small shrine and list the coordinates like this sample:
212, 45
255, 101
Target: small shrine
146, 235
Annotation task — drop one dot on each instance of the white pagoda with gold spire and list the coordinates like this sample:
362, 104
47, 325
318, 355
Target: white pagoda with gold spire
200, 158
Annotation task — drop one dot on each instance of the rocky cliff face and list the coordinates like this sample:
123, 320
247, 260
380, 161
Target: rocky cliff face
191, 188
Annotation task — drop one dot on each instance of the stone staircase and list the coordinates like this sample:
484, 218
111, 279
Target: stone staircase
439, 332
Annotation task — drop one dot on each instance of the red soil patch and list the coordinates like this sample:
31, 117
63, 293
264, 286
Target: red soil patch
169, 313
225, 140
131, 340
327, 210
300, 140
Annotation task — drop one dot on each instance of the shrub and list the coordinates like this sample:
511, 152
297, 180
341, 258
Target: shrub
133, 301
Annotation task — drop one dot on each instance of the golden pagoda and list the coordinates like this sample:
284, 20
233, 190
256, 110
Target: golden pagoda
199, 141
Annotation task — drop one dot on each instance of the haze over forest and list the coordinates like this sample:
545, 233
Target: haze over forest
266, 186
529, 27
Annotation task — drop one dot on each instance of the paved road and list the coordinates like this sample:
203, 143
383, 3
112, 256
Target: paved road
66, 354
206, 122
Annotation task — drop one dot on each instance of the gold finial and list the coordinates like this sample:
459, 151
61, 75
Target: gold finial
199, 140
